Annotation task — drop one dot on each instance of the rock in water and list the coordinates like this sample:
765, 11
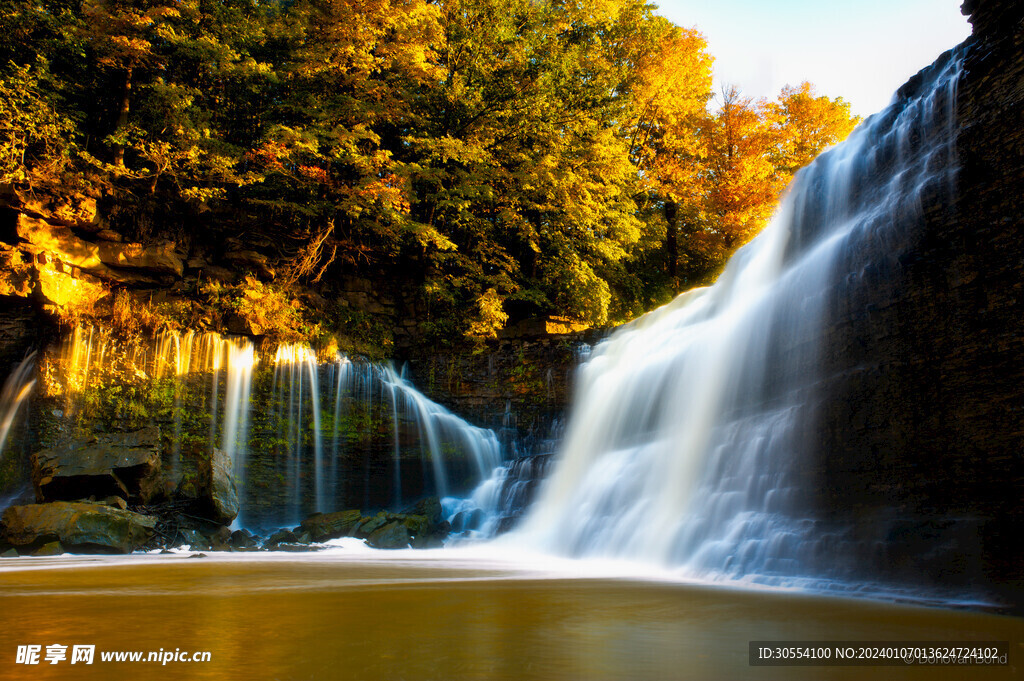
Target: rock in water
77, 526
125, 465
368, 526
279, 537
243, 540
394, 535
324, 526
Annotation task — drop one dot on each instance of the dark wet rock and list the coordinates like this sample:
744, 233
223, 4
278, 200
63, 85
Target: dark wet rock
220, 538
243, 539
52, 548
279, 537
198, 555
195, 539
393, 535
223, 494
430, 508
81, 527
297, 548
368, 526
417, 525
10, 553
324, 526
122, 465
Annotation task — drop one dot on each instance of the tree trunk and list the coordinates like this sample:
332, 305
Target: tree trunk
672, 243
122, 116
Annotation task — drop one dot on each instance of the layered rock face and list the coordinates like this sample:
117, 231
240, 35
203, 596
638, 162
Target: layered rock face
919, 440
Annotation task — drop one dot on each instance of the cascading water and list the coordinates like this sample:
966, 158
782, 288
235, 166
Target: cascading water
302, 435
329, 420
185, 372
14, 394
684, 446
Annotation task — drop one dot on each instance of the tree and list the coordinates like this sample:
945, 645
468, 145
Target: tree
807, 124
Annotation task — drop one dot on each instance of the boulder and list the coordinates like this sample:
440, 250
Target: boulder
220, 538
61, 285
430, 508
324, 526
44, 237
223, 494
242, 540
159, 258
15, 273
125, 465
196, 540
67, 210
368, 526
10, 553
393, 535
279, 537
251, 261
238, 325
52, 548
80, 527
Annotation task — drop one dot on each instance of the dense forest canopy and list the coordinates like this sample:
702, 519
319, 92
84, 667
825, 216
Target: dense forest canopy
515, 157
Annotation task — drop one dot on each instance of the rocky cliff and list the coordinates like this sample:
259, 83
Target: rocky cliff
919, 440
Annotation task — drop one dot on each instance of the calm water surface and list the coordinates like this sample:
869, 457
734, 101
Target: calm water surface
411, 616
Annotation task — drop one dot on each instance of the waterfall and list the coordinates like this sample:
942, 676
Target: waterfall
170, 374
15, 392
303, 433
235, 436
686, 438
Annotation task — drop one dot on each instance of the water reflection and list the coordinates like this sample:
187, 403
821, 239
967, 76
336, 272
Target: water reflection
416, 616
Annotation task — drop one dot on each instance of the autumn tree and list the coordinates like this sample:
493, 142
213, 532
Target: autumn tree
503, 158
806, 124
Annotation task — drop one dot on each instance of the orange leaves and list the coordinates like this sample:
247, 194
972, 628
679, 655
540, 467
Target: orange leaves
315, 173
390, 191
808, 124
269, 156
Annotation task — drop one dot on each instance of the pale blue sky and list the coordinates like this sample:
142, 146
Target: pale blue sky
860, 50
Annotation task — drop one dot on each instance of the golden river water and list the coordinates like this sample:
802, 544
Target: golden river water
440, 615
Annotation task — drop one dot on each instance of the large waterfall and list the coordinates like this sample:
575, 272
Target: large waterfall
685, 444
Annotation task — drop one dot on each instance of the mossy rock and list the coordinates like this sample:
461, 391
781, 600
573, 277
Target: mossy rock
324, 526
430, 508
52, 548
85, 527
393, 535
370, 525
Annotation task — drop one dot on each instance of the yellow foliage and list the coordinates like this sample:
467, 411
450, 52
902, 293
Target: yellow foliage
492, 317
